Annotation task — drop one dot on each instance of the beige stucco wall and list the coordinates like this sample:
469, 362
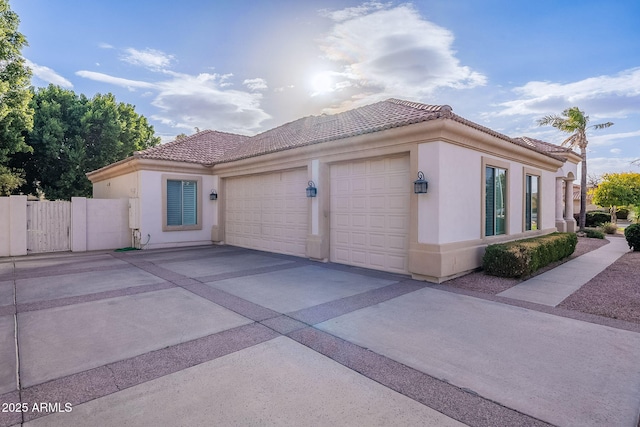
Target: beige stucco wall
98, 224
123, 186
151, 219
13, 226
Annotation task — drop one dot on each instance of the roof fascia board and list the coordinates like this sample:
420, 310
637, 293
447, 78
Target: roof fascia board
393, 141
134, 164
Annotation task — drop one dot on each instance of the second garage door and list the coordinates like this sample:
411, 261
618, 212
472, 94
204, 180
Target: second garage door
370, 213
268, 212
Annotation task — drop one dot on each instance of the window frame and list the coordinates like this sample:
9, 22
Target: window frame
533, 173
199, 195
495, 164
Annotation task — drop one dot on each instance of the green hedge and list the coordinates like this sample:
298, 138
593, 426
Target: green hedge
594, 233
523, 257
597, 218
622, 213
632, 234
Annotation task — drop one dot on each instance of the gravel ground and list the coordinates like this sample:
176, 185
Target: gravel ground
614, 293
481, 282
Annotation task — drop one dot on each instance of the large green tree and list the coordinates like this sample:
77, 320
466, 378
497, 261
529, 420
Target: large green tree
15, 112
576, 123
73, 135
618, 189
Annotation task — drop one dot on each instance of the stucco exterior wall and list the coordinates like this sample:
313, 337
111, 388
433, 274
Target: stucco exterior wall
452, 209
123, 186
151, 218
13, 226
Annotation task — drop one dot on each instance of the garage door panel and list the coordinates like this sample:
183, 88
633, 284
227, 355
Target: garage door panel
396, 182
377, 241
358, 221
358, 239
378, 207
397, 164
378, 183
268, 212
377, 202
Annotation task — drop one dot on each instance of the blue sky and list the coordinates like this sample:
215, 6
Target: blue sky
247, 66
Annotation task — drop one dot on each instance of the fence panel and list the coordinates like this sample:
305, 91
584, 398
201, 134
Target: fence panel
48, 226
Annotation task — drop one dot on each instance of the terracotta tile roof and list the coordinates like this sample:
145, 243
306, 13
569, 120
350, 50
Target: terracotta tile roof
210, 147
204, 147
542, 145
371, 118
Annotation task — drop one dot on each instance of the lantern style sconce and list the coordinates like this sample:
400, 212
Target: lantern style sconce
213, 195
312, 191
420, 185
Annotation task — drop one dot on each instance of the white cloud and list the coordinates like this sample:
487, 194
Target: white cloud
148, 58
384, 52
105, 46
48, 75
615, 151
602, 96
204, 101
612, 138
255, 84
601, 165
353, 12
118, 81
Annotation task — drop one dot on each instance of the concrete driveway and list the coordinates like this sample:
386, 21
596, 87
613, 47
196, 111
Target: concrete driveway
227, 336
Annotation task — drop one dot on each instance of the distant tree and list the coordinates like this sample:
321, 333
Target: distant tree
73, 135
593, 180
181, 135
618, 189
574, 121
15, 113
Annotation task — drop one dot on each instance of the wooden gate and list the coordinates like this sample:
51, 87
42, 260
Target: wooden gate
48, 226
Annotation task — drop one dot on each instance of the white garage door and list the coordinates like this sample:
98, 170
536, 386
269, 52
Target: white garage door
268, 212
370, 213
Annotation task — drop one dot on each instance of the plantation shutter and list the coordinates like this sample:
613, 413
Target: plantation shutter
189, 203
174, 202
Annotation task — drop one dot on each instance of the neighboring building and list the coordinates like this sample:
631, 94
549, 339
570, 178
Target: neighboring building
483, 188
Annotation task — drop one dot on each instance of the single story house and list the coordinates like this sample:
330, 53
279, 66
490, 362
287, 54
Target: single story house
344, 188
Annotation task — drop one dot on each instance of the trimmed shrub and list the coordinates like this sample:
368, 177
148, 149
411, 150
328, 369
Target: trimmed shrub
597, 218
523, 257
609, 228
632, 234
593, 233
622, 213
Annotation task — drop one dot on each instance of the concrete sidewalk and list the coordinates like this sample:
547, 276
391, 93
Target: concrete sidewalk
554, 286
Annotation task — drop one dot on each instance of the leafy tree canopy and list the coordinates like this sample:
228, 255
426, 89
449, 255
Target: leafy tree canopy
618, 189
15, 112
73, 135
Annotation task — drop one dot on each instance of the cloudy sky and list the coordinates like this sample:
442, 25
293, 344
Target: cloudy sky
246, 66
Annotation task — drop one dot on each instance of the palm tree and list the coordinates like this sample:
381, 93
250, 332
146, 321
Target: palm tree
574, 122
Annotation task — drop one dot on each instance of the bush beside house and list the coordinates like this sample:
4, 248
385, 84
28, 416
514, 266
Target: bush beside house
523, 257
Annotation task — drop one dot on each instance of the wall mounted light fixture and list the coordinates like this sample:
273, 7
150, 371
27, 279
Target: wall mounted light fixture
312, 191
213, 195
420, 185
